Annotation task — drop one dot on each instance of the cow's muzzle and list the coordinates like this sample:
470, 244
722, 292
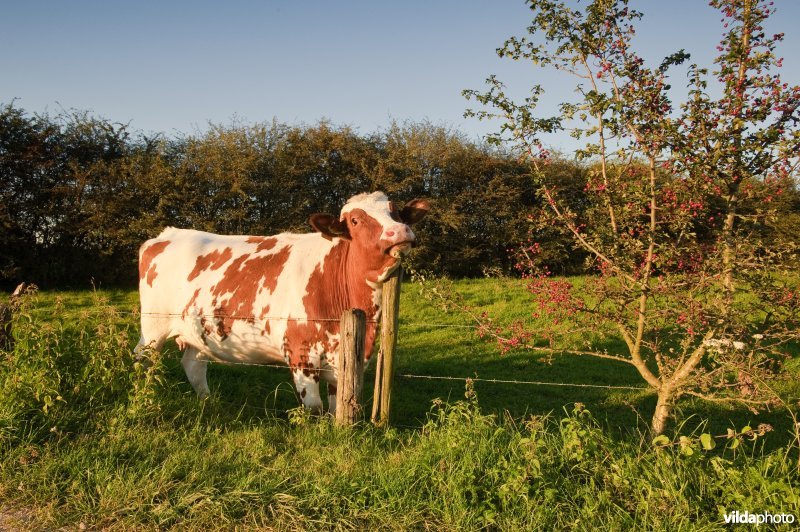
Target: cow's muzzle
398, 240
400, 249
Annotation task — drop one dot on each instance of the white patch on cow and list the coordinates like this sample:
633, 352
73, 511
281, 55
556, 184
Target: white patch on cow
331, 402
376, 202
308, 389
389, 271
376, 205
377, 294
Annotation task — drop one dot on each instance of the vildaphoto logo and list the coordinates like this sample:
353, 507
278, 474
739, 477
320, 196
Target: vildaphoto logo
740, 518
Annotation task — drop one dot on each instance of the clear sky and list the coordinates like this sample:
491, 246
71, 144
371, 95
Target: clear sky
174, 65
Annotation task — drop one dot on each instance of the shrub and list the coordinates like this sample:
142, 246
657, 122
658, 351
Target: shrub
68, 375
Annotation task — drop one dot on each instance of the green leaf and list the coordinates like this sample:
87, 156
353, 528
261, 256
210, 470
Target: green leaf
661, 440
707, 441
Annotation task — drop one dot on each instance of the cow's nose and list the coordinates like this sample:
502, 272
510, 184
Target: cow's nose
398, 233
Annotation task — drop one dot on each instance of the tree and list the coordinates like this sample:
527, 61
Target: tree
53, 172
480, 195
682, 200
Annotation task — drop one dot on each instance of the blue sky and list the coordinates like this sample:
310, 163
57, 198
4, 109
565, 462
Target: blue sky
173, 66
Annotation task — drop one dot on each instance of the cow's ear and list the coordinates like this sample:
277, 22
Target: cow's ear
414, 211
329, 225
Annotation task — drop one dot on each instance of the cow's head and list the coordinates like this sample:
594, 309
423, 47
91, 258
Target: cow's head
379, 232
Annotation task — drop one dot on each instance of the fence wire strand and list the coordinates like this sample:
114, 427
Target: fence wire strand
250, 318
400, 375
446, 377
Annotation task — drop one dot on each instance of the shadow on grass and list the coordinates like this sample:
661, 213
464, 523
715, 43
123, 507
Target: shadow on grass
250, 394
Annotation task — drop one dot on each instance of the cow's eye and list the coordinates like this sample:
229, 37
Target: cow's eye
354, 221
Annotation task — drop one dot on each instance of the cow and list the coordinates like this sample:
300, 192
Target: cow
261, 300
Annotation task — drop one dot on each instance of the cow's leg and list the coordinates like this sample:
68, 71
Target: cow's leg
306, 381
328, 374
196, 371
331, 398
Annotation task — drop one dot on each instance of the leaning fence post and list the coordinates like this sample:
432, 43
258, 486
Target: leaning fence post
390, 307
350, 373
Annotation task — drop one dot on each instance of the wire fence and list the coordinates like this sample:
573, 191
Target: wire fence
445, 377
252, 318
424, 325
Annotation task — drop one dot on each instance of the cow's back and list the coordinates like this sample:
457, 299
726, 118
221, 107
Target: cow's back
229, 297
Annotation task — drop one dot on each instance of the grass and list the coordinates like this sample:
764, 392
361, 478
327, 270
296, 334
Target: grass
87, 438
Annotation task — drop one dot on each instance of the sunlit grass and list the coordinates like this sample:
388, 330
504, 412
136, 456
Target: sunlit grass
122, 452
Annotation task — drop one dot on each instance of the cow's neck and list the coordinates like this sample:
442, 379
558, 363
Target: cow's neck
359, 284
364, 280
347, 278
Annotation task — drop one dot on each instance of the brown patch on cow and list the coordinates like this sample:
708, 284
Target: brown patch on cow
151, 275
265, 317
207, 328
367, 254
190, 304
303, 393
265, 243
241, 283
336, 284
146, 266
220, 318
333, 345
296, 349
213, 261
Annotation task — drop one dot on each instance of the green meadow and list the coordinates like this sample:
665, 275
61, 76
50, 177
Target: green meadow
89, 437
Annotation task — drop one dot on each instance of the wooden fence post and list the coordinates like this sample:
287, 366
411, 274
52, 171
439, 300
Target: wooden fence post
384, 371
350, 373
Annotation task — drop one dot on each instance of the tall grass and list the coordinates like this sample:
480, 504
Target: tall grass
70, 374
88, 436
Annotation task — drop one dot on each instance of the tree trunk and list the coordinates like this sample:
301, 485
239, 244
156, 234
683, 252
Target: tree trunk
663, 412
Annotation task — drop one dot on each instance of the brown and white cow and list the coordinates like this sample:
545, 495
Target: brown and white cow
260, 299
